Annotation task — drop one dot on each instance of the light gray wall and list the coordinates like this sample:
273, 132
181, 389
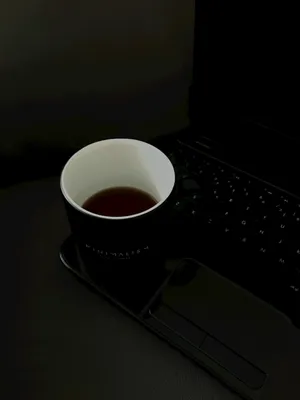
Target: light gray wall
119, 52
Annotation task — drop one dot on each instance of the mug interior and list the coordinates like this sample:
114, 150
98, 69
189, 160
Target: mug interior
117, 163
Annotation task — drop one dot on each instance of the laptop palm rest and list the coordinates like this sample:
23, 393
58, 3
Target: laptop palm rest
179, 318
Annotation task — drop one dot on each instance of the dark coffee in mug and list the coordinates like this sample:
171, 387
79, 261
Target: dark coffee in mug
107, 220
119, 202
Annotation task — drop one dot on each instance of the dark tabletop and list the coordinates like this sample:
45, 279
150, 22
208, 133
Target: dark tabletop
63, 341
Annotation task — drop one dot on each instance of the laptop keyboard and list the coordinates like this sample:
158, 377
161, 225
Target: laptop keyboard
256, 222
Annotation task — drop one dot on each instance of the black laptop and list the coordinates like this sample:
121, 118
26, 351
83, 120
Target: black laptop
229, 297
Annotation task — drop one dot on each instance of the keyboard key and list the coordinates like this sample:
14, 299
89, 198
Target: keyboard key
263, 249
295, 221
294, 252
190, 184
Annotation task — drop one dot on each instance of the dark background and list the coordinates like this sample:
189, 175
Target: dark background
72, 73
246, 63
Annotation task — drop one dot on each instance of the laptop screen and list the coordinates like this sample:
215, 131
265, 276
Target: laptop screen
245, 64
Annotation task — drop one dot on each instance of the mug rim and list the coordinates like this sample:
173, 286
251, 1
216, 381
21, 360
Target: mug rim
100, 216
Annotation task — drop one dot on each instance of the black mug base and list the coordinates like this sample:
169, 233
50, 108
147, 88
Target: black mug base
130, 284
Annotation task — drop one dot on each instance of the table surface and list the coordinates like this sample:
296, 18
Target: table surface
65, 341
